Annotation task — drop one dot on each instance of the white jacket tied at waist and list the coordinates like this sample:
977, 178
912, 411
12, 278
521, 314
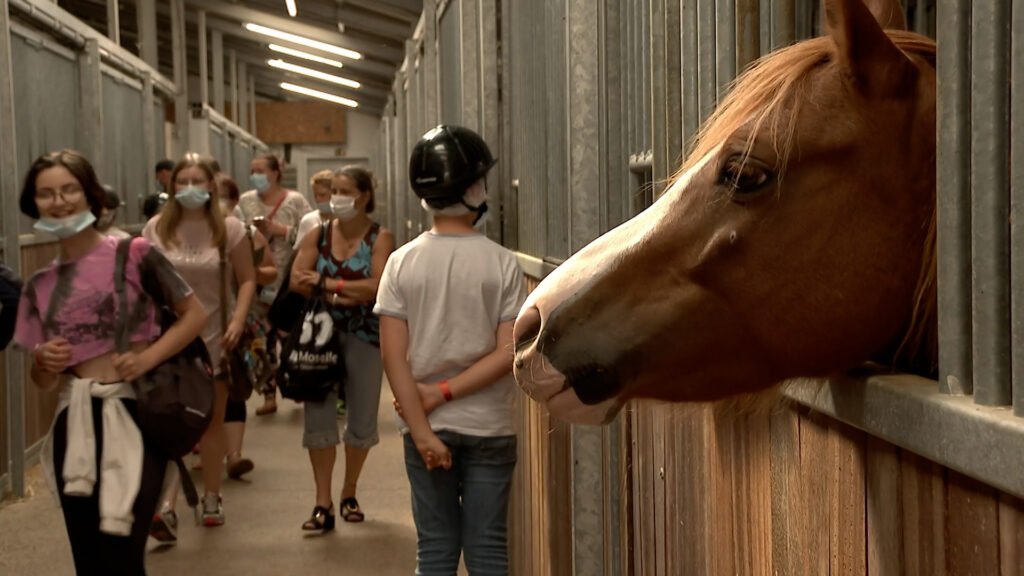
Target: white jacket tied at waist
120, 469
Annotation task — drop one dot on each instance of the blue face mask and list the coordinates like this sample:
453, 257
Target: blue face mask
192, 197
65, 227
324, 208
260, 182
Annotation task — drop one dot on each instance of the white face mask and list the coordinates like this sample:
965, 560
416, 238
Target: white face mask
344, 207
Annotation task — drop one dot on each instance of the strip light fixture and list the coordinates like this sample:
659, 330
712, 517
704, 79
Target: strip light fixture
303, 41
305, 55
290, 4
318, 94
282, 65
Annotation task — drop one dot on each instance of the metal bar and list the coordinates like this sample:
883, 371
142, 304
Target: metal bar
252, 105
748, 33
707, 79
113, 22
990, 249
14, 366
145, 12
765, 25
659, 81
233, 92
180, 65
243, 96
149, 124
690, 63
783, 23
673, 124
983, 443
204, 79
90, 121
217, 46
725, 41
953, 199
1017, 206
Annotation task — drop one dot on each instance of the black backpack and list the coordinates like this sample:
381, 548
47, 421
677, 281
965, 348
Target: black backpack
174, 400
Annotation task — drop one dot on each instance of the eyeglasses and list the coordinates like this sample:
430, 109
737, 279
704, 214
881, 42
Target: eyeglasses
68, 194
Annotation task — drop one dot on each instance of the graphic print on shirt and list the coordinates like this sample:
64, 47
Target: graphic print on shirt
360, 320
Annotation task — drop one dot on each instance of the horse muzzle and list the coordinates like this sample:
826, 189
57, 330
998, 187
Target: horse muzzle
584, 393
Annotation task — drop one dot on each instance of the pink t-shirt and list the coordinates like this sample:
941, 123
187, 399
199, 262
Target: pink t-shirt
197, 259
77, 300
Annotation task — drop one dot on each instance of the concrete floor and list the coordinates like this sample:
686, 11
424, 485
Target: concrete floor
262, 534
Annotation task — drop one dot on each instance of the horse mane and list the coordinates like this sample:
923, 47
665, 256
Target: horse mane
770, 90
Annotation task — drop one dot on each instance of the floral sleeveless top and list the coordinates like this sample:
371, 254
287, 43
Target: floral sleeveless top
360, 321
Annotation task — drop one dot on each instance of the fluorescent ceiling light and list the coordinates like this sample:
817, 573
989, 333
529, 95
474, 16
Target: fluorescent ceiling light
296, 39
305, 55
291, 7
321, 95
282, 65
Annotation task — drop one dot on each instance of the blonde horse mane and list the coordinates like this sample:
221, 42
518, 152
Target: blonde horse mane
769, 99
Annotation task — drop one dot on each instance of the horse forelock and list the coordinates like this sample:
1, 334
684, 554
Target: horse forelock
767, 97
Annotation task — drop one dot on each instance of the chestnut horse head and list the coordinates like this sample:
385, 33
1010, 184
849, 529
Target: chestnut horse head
797, 240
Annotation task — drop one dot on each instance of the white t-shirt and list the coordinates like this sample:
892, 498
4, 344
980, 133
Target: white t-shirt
308, 222
453, 291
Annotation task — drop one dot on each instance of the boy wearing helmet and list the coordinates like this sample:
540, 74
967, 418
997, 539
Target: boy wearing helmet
447, 301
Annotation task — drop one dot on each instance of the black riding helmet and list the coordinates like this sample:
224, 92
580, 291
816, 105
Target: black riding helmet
445, 162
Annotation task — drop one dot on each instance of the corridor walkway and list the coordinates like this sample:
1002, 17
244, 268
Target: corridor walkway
262, 535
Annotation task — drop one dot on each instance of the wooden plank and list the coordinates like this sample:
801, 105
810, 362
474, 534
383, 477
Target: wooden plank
658, 473
885, 509
559, 491
924, 510
788, 504
3, 410
972, 527
751, 479
1011, 536
847, 516
301, 122
723, 494
817, 473
693, 479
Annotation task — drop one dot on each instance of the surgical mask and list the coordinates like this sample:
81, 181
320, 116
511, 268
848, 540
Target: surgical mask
66, 227
344, 207
192, 197
324, 208
260, 182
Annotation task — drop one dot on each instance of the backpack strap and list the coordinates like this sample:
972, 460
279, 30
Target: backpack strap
121, 321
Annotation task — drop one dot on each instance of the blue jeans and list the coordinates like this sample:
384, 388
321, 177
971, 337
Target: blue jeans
465, 508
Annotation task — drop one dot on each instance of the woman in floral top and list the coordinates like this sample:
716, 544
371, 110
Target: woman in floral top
349, 258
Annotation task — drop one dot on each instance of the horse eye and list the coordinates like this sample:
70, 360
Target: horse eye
743, 177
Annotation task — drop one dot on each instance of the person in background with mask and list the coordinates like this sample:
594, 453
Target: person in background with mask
349, 259
191, 232
68, 319
320, 184
276, 212
105, 223
235, 415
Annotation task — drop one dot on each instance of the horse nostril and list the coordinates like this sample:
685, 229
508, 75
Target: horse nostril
526, 328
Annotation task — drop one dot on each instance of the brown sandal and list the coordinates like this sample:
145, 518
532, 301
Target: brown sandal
350, 511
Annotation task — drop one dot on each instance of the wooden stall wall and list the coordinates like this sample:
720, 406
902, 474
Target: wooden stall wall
787, 492
39, 404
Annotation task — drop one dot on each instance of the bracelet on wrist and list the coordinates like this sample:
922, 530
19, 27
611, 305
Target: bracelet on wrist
446, 390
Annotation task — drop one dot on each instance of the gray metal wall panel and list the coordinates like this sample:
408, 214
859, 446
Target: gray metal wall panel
556, 127
46, 104
748, 33
529, 98
990, 248
707, 79
690, 63
469, 70
725, 40
1017, 207
783, 23
450, 58
615, 190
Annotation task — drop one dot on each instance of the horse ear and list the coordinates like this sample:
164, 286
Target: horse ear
875, 65
888, 13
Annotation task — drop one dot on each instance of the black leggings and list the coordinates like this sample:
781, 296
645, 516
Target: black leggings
96, 552
235, 411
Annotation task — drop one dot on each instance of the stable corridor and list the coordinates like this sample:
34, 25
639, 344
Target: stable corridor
262, 535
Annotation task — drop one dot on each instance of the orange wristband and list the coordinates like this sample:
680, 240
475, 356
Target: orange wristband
337, 289
446, 390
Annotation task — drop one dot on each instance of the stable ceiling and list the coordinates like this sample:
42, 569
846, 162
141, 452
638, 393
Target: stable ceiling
376, 28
